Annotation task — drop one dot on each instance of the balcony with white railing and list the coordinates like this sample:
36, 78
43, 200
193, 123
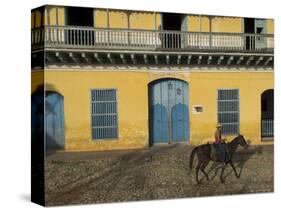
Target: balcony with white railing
72, 37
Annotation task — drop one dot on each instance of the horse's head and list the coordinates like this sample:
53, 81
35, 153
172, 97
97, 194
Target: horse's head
242, 142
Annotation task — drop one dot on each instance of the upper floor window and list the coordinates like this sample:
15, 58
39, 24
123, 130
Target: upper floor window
79, 16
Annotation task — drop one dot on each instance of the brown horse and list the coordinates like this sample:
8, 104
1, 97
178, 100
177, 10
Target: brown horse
204, 156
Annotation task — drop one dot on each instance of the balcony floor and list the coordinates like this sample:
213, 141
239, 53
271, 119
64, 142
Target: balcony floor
139, 58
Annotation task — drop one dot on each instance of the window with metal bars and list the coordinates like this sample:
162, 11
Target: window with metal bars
104, 114
228, 111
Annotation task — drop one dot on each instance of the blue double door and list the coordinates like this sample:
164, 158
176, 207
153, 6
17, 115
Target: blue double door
169, 114
54, 121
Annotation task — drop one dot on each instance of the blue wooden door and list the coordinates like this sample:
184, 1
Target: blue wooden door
160, 124
54, 121
169, 111
179, 122
178, 110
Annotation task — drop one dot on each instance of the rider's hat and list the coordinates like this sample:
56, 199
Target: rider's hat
218, 125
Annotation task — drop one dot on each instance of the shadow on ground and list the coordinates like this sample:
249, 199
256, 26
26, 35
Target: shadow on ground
239, 160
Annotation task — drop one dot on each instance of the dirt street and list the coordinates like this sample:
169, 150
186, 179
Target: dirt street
156, 173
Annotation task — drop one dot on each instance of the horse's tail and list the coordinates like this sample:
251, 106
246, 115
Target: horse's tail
192, 157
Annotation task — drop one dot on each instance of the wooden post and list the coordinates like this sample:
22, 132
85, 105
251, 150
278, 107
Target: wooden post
155, 30
107, 17
200, 23
210, 30
107, 25
57, 16
155, 21
128, 25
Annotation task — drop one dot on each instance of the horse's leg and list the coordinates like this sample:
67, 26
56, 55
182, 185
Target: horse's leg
234, 169
197, 171
203, 166
222, 171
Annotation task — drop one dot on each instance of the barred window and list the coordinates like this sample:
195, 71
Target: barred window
228, 110
104, 114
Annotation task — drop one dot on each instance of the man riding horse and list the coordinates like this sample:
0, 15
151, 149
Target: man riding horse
205, 153
220, 143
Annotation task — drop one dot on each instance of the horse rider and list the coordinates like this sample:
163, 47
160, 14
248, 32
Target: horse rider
219, 143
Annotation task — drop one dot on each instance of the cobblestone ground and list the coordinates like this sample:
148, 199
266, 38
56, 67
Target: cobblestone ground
157, 173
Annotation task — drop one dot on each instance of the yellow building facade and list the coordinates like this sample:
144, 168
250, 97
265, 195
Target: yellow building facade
198, 72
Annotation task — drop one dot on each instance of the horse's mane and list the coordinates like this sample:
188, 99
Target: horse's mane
236, 138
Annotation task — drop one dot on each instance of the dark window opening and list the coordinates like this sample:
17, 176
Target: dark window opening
259, 30
249, 27
171, 21
264, 105
80, 16
267, 104
267, 114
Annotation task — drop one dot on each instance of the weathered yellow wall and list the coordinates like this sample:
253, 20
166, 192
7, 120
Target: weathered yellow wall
132, 112
158, 21
118, 19
219, 24
205, 24
132, 107
54, 15
37, 79
51, 15
100, 18
250, 85
270, 26
144, 20
227, 24
36, 18
61, 16
193, 23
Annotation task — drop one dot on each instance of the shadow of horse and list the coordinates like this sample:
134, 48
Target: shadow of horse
239, 161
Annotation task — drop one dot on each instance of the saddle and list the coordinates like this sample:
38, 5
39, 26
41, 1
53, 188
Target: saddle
215, 153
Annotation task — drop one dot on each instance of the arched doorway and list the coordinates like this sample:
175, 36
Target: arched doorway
54, 121
168, 111
37, 117
267, 114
